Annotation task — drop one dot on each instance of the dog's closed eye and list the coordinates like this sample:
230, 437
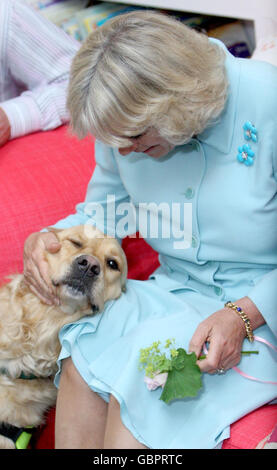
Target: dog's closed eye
75, 243
112, 264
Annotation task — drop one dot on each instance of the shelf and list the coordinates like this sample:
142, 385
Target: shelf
261, 12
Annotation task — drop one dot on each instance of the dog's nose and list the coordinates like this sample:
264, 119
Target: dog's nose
88, 265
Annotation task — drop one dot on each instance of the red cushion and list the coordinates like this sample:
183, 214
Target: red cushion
44, 437
249, 431
142, 259
246, 433
42, 177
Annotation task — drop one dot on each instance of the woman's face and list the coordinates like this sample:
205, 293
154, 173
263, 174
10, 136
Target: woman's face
150, 142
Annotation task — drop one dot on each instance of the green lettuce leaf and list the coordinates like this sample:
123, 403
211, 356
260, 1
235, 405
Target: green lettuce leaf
184, 380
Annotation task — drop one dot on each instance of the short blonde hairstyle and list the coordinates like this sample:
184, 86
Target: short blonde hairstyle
145, 69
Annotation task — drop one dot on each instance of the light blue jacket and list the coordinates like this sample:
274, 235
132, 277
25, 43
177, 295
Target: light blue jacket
233, 252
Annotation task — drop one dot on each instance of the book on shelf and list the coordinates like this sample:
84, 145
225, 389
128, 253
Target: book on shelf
86, 20
58, 11
40, 4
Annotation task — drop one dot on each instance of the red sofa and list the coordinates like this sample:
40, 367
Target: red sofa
42, 177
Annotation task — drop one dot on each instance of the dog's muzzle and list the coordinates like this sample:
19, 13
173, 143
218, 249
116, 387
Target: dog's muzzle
87, 265
84, 271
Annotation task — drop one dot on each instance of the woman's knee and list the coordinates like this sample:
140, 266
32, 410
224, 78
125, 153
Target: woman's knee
69, 373
113, 404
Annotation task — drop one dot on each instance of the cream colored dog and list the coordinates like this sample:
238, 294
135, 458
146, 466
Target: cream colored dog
89, 269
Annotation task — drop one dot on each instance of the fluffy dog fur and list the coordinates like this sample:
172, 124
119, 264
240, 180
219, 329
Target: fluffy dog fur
88, 270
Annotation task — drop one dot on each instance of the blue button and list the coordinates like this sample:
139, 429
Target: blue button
189, 193
194, 242
218, 290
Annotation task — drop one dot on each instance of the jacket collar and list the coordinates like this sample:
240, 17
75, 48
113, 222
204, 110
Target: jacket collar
220, 135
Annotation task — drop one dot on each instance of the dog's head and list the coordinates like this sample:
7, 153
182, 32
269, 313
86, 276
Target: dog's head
89, 269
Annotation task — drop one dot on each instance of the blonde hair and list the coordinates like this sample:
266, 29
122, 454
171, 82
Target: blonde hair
145, 69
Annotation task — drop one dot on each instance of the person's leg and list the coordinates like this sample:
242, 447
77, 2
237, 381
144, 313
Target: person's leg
80, 413
117, 436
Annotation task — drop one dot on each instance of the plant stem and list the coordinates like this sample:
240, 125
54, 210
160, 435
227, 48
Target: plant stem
249, 352
242, 352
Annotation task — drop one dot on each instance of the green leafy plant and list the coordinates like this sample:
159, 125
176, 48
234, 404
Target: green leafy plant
175, 370
183, 374
184, 379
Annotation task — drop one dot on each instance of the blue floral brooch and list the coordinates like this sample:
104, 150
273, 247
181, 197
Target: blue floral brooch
250, 132
246, 154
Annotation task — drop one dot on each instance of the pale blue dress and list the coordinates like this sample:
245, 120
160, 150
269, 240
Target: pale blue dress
233, 253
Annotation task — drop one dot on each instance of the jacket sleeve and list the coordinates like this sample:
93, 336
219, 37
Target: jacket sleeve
107, 204
264, 293
264, 296
37, 56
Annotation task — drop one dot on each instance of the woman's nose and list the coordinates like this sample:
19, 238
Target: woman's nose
125, 150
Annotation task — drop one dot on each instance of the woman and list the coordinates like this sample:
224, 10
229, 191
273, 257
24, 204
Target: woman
170, 108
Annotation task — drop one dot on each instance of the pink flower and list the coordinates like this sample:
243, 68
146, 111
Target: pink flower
157, 381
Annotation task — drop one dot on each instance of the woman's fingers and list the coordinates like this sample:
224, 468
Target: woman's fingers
223, 331
198, 339
36, 272
214, 358
205, 334
37, 283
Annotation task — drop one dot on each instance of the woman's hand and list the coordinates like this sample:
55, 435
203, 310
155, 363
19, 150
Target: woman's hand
5, 128
36, 268
225, 331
